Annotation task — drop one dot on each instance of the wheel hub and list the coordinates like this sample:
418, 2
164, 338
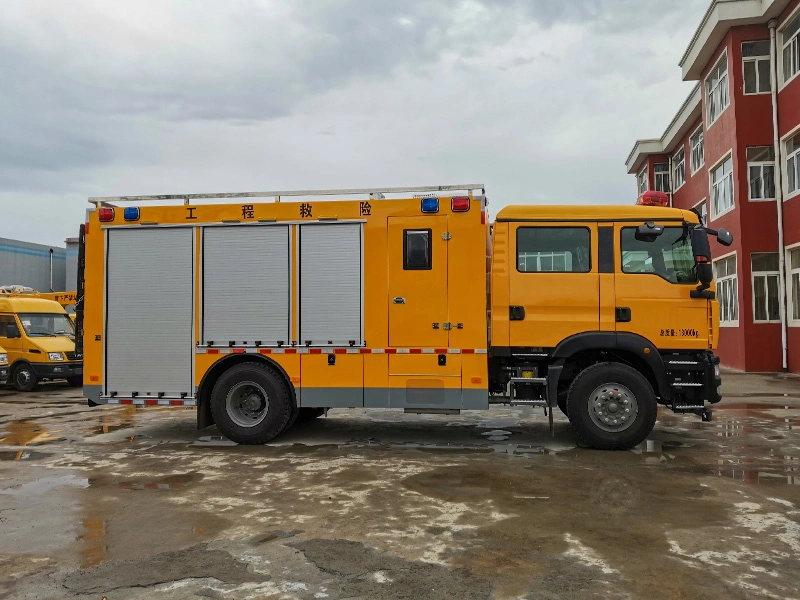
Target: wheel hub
247, 404
613, 407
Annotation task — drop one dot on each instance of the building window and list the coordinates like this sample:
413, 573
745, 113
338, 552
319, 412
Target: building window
702, 210
717, 95
662, 177
727, 290
722, 187
755, 59
643, 181
553, 250
698, 151
791, 49
793, 163
766, 307
794, 275
679, 168
761, 169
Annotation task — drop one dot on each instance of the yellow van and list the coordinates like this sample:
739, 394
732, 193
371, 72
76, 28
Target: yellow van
3, 365
39, 339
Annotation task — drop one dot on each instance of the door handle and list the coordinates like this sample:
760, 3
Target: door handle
623, 314
399, 300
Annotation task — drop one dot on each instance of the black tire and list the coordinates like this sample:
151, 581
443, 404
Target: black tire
238, 407
76, 381
24, 378
611, 387
307, 415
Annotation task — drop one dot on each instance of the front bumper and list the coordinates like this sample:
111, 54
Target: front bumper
57, 370
3, 373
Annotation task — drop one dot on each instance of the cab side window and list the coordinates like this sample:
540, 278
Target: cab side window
8, 327
670, 256
553, 250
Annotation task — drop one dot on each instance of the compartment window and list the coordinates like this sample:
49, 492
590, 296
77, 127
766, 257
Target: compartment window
553, 250
417, 250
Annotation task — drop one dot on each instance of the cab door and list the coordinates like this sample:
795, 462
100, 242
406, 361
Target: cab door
653, 282
417, 282
554, 285
14, 346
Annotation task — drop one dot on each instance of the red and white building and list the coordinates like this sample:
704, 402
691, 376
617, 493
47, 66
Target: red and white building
733, 151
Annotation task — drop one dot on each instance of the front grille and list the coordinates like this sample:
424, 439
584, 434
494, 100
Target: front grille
74, 355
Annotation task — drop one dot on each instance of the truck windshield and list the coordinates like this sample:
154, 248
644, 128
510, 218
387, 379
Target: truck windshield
670, 256
46, 324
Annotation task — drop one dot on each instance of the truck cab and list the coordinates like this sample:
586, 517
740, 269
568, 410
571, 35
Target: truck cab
605, 304
39, 339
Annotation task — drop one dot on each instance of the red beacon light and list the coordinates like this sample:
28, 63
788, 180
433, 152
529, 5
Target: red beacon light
459, 204
105, 214
653, 198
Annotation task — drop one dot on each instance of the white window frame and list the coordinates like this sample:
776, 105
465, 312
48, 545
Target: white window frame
703, 203
755, 60
713, 215
766, 275
693, 146
679, 167
795, 39
762, 164
790, 273
709, 92
785, 166
639, 180
662, 175
724, 279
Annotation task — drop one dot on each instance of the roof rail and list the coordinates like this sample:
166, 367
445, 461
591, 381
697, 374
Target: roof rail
278, 193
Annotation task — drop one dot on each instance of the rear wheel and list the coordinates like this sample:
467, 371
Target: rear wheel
251, 403
25, 379
612, 406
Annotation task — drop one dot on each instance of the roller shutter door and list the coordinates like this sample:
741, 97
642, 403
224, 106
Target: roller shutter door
149, 318
246, 285
330, 284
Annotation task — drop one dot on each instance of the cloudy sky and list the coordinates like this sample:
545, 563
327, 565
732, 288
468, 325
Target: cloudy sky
541, 100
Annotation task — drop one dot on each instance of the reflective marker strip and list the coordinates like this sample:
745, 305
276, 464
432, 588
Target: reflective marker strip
151, 401
350, 350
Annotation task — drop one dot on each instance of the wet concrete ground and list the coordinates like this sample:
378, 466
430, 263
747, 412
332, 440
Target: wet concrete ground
135, 503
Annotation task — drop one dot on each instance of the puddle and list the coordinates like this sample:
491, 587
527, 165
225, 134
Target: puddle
45, 485
754, 405
24, 433
102, 429
497, 435
22, 455
170, 483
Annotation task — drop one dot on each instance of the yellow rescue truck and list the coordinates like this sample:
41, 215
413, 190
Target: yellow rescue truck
260, 313
39, 339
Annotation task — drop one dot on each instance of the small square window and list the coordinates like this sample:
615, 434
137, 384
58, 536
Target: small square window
417, 254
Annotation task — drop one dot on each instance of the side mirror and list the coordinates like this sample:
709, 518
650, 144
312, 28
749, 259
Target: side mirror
724, 237
648, 232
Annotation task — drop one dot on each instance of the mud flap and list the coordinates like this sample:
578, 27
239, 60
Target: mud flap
553, 375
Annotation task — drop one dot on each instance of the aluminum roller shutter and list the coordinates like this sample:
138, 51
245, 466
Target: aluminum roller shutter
149, 313
246, 284
330, 284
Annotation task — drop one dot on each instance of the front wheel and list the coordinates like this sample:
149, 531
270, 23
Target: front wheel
612, 406
251, 403
25, 379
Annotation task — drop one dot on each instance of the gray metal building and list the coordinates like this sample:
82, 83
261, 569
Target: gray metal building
33, 265
72, 265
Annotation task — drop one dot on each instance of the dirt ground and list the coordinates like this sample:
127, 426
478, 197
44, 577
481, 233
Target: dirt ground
130, 503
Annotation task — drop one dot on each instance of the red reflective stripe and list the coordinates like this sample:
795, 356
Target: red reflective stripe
315, 350
151, 402
415, 351
340, 351
468, 350
265, 351
126, 401
213, 351
441, 351
238, 350
364, 351
290, 351
391, 350
176, 402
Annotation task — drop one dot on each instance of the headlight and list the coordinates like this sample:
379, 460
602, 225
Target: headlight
3, 358
55, 356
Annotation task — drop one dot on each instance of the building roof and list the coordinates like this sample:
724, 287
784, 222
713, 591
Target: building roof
528, 212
